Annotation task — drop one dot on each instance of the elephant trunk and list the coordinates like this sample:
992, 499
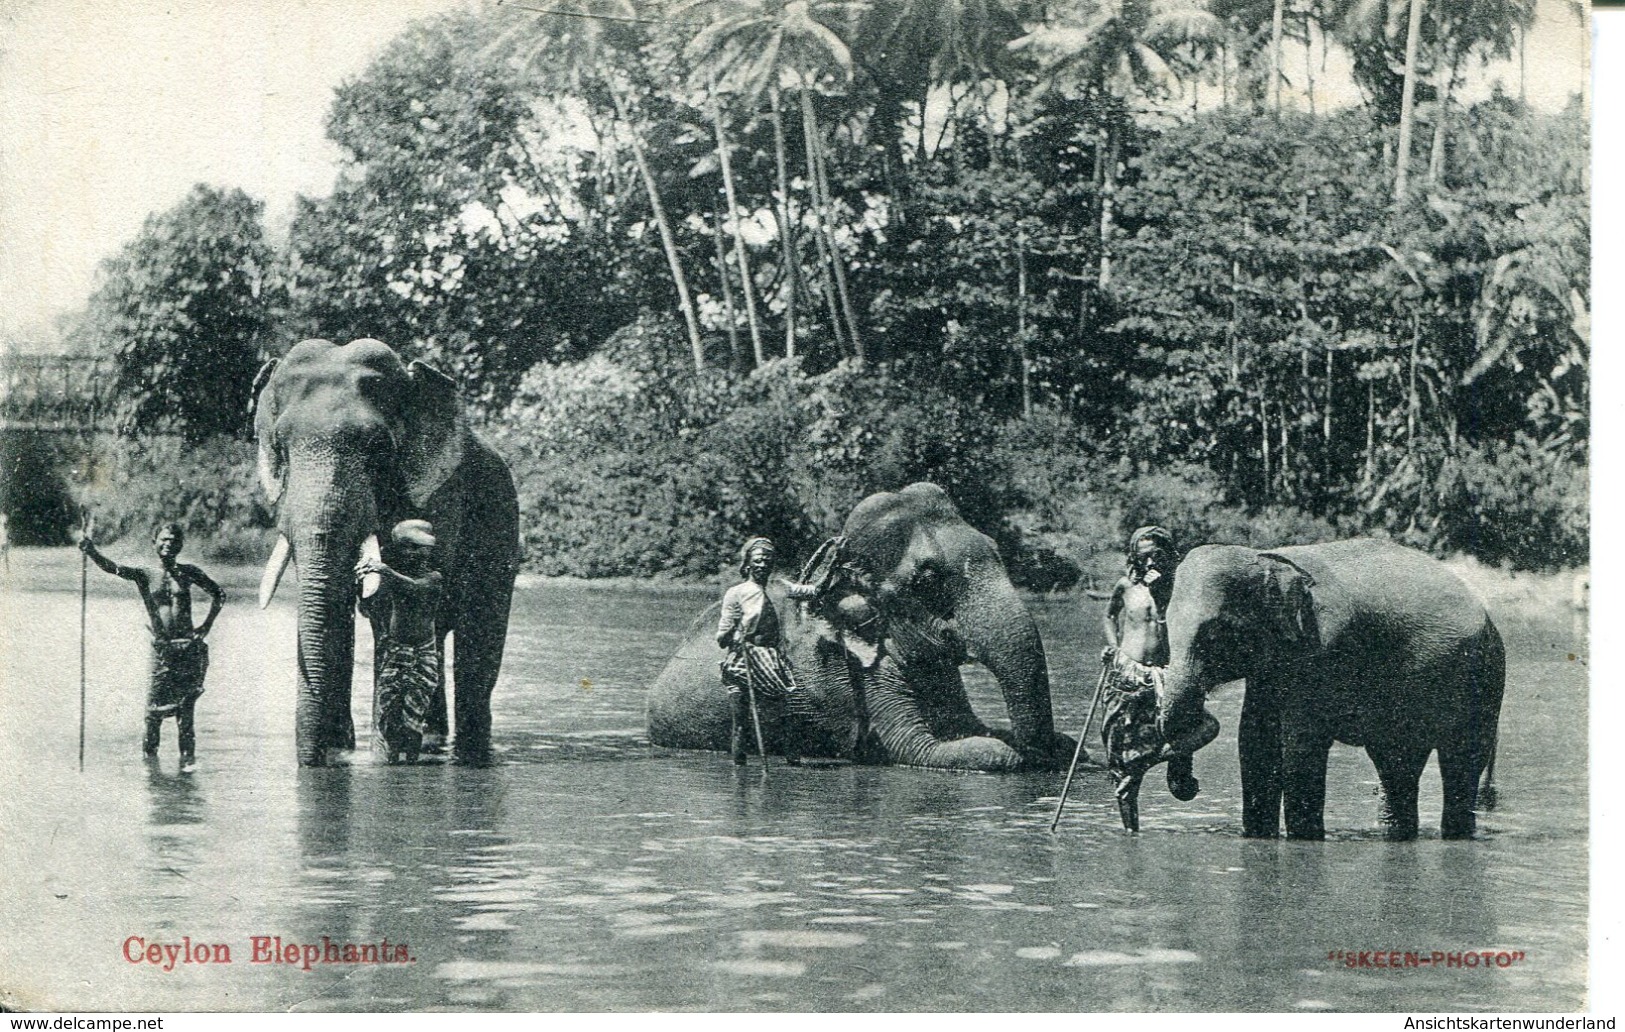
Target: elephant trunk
326, 650
999, 633
1185, 684
328, 511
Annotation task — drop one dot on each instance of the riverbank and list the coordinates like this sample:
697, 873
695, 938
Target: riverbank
57, 569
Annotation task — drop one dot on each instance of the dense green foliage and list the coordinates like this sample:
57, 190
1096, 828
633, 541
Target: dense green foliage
207, 488
726, 272
186, 309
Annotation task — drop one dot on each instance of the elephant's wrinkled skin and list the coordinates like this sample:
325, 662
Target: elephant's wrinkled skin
1361, 642
351, 441
879, 652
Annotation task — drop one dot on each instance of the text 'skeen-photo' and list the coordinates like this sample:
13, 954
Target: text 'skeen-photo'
796, 506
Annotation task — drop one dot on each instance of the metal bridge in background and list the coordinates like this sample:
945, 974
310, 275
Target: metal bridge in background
70, 394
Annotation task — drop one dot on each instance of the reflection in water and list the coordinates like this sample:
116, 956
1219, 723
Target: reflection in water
590, 872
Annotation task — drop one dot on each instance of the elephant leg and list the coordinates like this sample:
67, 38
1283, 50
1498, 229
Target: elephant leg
479, 658
1400, 770
1259, 742
435, 721
1459, 770
897, 722
1304, 782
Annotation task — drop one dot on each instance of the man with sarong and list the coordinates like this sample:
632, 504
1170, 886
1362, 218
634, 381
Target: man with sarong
180, 656
755, 670
407, 668
1136, 627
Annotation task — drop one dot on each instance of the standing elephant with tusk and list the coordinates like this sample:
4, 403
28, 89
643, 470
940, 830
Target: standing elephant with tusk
352, 441
1362, 642
906, 594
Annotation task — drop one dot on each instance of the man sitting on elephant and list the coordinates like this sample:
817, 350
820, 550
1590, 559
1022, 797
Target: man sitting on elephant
755, 667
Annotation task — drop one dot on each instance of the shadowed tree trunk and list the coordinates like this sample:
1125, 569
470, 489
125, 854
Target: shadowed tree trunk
663, 224
734, 352
787, 243
738, 236
1407, 99
818, 170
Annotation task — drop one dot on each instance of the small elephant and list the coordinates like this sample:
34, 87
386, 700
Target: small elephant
907, 594
351, 441
1362, 642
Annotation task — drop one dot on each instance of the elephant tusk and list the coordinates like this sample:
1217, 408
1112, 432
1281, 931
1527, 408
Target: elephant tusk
274, 569
371, 582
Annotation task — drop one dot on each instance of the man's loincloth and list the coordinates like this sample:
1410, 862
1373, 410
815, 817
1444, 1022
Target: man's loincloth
178, 668
1129, 730
766, 670
408, 678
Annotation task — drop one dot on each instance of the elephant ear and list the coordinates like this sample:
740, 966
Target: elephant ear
268, 462
431, 446
1288, 605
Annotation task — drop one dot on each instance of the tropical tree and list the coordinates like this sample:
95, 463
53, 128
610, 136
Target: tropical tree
1114, 50
186, 309
907, 49
583, 45
752, 46
450, 233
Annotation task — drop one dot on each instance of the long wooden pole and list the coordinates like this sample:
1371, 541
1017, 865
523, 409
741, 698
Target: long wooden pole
84, 578
1100, 687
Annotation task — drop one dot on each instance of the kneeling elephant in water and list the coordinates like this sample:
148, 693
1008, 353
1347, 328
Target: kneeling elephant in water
906, 594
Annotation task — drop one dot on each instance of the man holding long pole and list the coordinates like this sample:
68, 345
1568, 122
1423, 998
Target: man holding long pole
755, 670
180, 656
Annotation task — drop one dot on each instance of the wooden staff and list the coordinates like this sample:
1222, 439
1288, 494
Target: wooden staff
84, 594
1100, 688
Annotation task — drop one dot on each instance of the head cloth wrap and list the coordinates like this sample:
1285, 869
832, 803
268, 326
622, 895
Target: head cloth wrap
754, 545
1159, 535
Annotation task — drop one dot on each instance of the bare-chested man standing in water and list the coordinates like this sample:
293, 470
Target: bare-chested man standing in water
1136, 628
180, 658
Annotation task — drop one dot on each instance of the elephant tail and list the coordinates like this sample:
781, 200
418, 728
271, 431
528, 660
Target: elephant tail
1490, 681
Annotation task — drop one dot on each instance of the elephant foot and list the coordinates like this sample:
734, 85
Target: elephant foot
433, 745
473, 755
1399, 833
1307, 835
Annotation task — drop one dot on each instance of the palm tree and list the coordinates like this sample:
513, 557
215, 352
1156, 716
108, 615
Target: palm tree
918, 46
756, 46
1374, 23
1485, 28
1113, 51
1453, 30
581, 40
733, 222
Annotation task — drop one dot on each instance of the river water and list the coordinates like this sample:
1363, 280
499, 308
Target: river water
590, 872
